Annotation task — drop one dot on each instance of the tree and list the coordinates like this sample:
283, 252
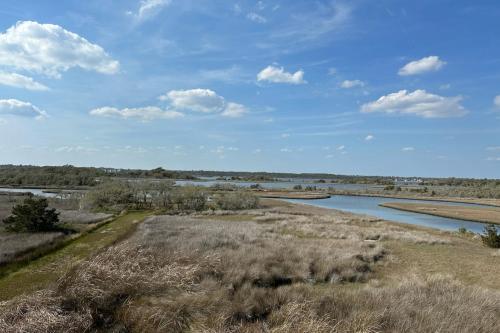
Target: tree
491, 238
33, 215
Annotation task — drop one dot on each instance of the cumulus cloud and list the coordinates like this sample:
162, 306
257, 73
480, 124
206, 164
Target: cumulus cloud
256, 17
19, 108
341, 147
204, 101
369, 137
407, 149
424, 65
278, 75
50, 49
347, 84
418, 103
143, 113
20, 81
234, 110
200, 100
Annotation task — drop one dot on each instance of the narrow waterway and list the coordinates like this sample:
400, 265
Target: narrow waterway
371, 206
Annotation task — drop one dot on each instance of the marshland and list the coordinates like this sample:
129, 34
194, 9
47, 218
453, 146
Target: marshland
147, 255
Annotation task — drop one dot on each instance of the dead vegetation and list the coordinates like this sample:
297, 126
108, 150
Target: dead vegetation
269, 270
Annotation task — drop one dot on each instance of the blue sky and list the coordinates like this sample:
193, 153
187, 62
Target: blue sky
352, 87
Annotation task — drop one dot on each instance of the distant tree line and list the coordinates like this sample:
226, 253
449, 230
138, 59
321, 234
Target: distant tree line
71, 176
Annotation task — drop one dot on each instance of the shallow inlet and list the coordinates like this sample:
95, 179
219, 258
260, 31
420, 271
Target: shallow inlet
35, 191
370, 206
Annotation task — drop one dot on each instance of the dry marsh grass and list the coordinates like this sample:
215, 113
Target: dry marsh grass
13, 245
272, 270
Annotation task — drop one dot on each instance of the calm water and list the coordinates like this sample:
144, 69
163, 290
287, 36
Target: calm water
370, 206
35, 191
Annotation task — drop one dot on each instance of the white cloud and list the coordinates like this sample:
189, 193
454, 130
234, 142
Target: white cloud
200, 100
418, 103
256, 17
493, 148
369, 137
347, 84
424, 65
332, 71
149, 8
496, 101
234, 110
203, 100
341, 147
285, 135
285, 150
20, 108
493, 159
20, 81
278, 75
257, 151
144, 113
406, 149
50, 49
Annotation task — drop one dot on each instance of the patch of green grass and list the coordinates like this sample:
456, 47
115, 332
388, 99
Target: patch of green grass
45, 270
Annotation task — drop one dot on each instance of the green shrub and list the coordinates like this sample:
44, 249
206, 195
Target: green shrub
236, 201
189, 198
297, 187
491, 237
112, 195
33, 215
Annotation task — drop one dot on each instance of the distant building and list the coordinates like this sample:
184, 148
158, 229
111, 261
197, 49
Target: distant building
408, 181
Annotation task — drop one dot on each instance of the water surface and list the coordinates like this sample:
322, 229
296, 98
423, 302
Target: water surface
370, 206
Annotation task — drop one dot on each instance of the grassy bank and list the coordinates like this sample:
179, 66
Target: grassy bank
466, 213
421, 197
44, 271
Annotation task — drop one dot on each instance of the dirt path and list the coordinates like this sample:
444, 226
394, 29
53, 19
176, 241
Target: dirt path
44, 271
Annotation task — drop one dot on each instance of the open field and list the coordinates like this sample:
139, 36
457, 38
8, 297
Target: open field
281, 268
469, 213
